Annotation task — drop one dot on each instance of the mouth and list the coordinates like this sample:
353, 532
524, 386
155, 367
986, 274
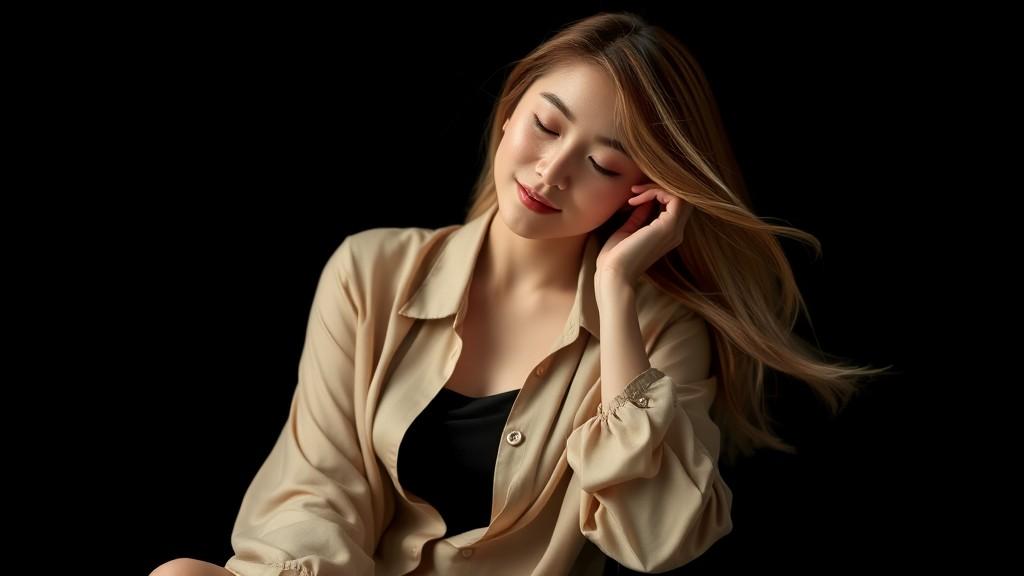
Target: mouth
529, 192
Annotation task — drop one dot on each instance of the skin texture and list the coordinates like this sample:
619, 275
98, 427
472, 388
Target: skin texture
528, 252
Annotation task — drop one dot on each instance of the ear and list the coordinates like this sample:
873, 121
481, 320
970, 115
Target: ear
505, 125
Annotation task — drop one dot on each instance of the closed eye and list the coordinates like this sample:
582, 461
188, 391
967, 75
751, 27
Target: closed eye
542, 128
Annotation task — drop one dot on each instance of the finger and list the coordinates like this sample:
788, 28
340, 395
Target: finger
665, 197
642, 187
642, 197
672, 203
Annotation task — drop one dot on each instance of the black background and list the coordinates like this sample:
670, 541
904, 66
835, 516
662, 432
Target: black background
229, 154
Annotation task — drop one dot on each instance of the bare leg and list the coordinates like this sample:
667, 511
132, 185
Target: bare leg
189, 567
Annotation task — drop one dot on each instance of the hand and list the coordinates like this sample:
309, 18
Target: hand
635, 246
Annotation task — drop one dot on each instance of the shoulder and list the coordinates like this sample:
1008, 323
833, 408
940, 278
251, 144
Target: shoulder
381, 245
379, 258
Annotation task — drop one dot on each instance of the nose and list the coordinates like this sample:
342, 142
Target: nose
553, 174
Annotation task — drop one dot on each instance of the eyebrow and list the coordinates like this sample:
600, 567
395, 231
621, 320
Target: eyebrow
557, 103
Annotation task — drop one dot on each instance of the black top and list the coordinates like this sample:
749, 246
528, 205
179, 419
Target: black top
447, 456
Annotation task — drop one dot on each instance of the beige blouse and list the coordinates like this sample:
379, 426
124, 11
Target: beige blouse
638, 480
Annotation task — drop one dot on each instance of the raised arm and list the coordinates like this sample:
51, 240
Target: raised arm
652, 497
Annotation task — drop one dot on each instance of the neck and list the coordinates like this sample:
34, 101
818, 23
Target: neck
511, 265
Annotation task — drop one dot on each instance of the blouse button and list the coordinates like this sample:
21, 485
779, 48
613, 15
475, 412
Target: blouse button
467, 552
514, 437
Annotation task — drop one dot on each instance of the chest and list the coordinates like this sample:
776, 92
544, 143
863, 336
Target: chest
501, 346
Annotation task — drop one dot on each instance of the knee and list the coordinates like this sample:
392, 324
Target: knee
186, 567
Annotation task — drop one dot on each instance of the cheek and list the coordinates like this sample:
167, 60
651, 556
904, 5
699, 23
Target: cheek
600, 203
521, 145
507, 148
611, 197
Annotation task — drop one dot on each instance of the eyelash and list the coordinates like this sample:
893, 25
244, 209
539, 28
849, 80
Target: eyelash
542, 128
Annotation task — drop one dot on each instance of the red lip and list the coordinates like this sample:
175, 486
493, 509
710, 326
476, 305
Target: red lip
533, 194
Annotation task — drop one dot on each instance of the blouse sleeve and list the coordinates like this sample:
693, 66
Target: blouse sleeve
307, 511
653, 498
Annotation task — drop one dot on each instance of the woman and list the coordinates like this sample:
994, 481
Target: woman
548, 386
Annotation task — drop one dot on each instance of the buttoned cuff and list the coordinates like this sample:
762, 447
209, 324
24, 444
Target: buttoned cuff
634, 393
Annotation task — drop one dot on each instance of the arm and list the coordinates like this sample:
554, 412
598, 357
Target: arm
308, 507
652, 497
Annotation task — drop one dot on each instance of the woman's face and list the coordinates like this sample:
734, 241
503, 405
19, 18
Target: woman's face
564, 155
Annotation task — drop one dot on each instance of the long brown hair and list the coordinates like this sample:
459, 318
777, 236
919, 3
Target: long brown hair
731, 268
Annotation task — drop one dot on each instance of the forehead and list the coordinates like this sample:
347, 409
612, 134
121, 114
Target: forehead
584, 88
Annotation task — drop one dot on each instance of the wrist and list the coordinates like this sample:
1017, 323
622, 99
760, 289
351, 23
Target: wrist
613, 287
615, 279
